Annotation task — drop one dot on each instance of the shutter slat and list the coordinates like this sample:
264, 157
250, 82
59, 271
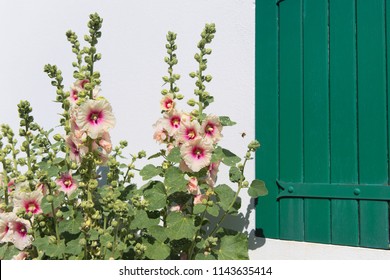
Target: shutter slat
343, 136
291, 116
316, 116
267, 106
372, 119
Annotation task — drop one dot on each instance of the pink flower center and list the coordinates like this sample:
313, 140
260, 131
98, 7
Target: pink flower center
168, 103
31, 206
197, 152
21, 229
68, 183
175, 121
209, 129
190, 133
6, 228
95, 117
74, 95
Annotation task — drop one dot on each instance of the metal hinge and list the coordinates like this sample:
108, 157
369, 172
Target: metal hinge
335, 191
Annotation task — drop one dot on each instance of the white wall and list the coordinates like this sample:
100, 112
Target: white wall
33, 34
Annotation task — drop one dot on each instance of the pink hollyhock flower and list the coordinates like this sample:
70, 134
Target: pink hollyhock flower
18, 233
211, 177
29, 201
75, 90
76, 148
198, 199
105, 142
66, 183
167, 103
4, 226
14, 229
21, 256
197, 153
188, 131
160, 134
95, 92
211, 128
95, 117
172, 122
192, 186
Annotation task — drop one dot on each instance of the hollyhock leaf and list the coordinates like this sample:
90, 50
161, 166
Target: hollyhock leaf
73, 247
179, 226
157, 155
217, 154
58, 200
213, 210
56, 250
229, 158
156, 196
233, 247
149, 171
56, 161
45, 206
52, 171
158, 232
157, 250
175, 181
174, 155
199, 208
72, 225
7, 251
257, 188
142, 220
204, 257
225, 196
226, 121
93, 234
104, 239
235, 174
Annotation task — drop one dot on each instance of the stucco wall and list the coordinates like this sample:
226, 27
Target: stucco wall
33, 34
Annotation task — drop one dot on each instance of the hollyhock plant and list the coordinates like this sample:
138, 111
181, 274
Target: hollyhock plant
58, 201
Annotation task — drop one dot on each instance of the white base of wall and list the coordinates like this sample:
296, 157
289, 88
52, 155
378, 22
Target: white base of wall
274, 249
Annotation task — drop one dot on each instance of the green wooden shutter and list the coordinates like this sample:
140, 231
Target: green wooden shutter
322, 100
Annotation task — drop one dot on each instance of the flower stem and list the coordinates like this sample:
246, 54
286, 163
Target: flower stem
5, 175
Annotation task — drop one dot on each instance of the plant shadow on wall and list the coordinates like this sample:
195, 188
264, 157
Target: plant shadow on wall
62, 207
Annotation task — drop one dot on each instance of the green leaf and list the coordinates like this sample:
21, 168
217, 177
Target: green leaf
52, 250
233, 247
8, 251
217, 154
158, 232
257, 188
225, 196
175, 181
104, 239
73, 247
157, 251
56, 161
199, 208
52, 171
72, 225
229, 158
141, 220
159, 154
213, 210
93, 234
179, 226
149, 171
174, 155
235, 174
226, 121
156, 196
